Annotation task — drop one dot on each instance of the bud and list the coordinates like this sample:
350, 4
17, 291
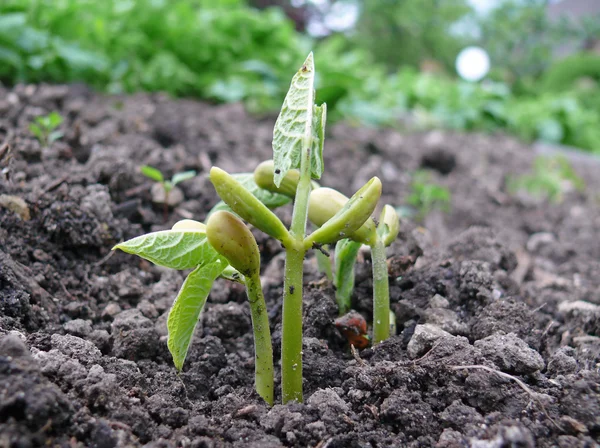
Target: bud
189, 225
340, 218
230, 237
246, 205
389, 225
263, 176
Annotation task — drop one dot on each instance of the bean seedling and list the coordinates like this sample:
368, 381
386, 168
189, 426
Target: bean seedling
224, 248
165, 186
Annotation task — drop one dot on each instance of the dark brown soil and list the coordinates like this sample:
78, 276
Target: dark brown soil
508, 283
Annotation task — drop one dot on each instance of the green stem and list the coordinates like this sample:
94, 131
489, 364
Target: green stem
381, 293
291, 337
263, 350
291, 328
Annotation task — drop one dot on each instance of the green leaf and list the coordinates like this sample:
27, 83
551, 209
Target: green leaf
186, 309
53, 120
152, 173
175, 249
346, 252
180, 177
389, 225
37, 132
300, 122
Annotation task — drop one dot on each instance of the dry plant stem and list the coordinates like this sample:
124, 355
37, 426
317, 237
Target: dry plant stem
520, 383
263, 350
291, 337
381, 293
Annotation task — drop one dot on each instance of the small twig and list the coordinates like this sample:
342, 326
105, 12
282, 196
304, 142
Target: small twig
428, 353
520, 383
104, 259
356, 355
54, 185
320, 248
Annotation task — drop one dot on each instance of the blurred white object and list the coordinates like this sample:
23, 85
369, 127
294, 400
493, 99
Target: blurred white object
472, 63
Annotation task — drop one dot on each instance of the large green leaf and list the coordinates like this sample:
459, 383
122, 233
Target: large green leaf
176, 249
300, 123
186, 309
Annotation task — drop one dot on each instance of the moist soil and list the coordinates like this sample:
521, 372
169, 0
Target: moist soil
506, 284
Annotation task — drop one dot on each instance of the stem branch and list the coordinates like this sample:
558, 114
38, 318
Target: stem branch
263, 350
381, 293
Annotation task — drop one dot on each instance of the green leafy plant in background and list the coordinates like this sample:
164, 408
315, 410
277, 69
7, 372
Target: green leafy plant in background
426, 196
551, 178
224, 247
45, 128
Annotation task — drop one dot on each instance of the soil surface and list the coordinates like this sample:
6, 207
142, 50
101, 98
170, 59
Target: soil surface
506, 284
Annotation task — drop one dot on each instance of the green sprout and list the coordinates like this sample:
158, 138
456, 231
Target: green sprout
166, 186
224, 247
297, 145
426, 196
45, 128
551, 178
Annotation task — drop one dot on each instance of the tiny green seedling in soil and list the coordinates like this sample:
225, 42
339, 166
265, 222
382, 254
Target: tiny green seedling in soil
45, 128
552, 177
165, 186
426, 196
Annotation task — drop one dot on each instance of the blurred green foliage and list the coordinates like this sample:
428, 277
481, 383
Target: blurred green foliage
225, 51
551, 178
426, 196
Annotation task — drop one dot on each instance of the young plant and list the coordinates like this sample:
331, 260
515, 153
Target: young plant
551, 178
45, 128
297, 144
426, 196
324, 202
224, 247
165, 186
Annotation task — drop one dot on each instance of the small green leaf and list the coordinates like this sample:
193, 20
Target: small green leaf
53, 120
180, 177
55, 135
175, 249
152, 173
346, 252
186, 309
246, 205
37, 132
300, 123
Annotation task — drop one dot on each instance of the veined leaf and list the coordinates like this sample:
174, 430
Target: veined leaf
300, 123
186, 309
346, 252
176, 249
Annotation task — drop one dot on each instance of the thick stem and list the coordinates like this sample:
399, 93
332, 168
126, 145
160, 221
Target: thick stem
263, 350
291, 337
381, 293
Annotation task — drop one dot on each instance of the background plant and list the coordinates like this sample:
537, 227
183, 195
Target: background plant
45, 128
